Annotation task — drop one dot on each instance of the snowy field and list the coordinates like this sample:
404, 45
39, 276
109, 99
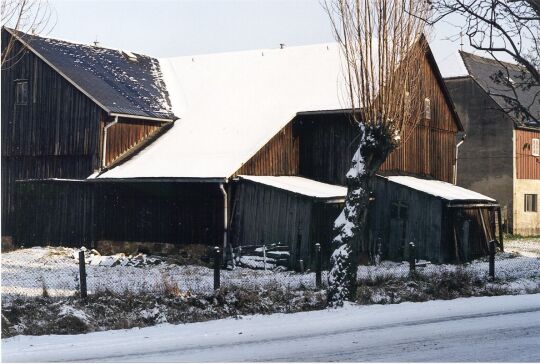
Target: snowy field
28, 272
483, 329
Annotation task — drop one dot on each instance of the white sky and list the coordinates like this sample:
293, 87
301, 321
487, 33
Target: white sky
186, 27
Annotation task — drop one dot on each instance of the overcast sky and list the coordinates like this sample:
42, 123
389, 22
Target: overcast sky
187, 27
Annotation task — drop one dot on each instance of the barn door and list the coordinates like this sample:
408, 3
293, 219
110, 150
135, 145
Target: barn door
398, 230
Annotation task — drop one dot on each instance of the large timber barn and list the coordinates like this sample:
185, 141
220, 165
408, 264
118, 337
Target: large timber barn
107, 148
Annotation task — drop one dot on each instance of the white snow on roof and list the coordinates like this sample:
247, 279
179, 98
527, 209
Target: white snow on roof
441, 189
231, 104
303, 186
451, 64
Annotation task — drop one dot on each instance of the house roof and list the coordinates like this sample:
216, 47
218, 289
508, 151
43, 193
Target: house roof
300, 185
232, 104
482, 70
444, 190
120, 82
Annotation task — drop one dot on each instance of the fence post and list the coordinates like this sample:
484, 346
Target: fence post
492, 259
412, 257
217, 267
318, 266
82, 275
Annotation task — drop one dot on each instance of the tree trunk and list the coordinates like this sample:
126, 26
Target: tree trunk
376, 143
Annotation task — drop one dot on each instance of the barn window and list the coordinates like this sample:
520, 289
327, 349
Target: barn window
399, 210
531, 203
427, 108
21, 93
536, 147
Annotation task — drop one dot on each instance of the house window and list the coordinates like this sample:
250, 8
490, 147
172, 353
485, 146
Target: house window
531, 203
536, 147
427, 108
21, 93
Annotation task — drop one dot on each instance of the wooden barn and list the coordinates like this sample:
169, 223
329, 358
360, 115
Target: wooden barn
113, 150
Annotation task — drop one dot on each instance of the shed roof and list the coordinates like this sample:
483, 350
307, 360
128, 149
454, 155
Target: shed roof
115, 82
232, 104
483, 69
444, 190
300, 185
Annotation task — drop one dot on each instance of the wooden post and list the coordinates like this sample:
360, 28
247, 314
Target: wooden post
217, 267
82, 275
499, 218
318, 266
412, 257
492, 259
264, 256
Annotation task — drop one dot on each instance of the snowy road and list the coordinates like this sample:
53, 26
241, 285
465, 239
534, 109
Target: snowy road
505, 328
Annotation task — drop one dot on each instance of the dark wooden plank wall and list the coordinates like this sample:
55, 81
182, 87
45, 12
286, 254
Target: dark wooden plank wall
267, 215
278, 157
55, 135
527, 165
82, 212
164, 212
327, 144
424, 221
53, 213
125, 135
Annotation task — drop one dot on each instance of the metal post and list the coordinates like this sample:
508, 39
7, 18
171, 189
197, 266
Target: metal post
492, 259
82, 275
318, 266
217, 267
412, 257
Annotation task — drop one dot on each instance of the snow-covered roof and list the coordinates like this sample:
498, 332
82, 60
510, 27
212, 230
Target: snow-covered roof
231, 104
300, 185
451, 65
440, 189
118, 81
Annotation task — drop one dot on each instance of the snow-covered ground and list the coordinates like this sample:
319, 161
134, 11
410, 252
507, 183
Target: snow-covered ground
504, 328
528, 247
27, 272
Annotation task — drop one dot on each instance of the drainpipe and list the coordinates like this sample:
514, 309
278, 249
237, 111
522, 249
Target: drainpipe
457, 153
103, 160
225, 216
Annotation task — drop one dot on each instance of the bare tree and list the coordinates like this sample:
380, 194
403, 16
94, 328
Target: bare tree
501, 28
26, 17
383, 48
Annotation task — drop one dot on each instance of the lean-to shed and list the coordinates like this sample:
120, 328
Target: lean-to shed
447, 223
289, 210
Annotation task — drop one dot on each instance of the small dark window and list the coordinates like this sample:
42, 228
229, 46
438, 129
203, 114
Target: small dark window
21, 93
399, 210
531, 203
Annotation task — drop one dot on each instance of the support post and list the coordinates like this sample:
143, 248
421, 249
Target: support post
499, 218
492, 259
318, 266
217, 267
82, 275
412, 257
